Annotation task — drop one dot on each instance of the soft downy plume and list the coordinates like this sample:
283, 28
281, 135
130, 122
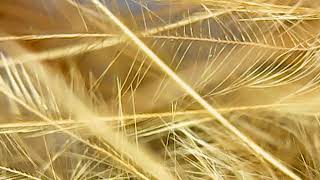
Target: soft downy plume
207, 89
